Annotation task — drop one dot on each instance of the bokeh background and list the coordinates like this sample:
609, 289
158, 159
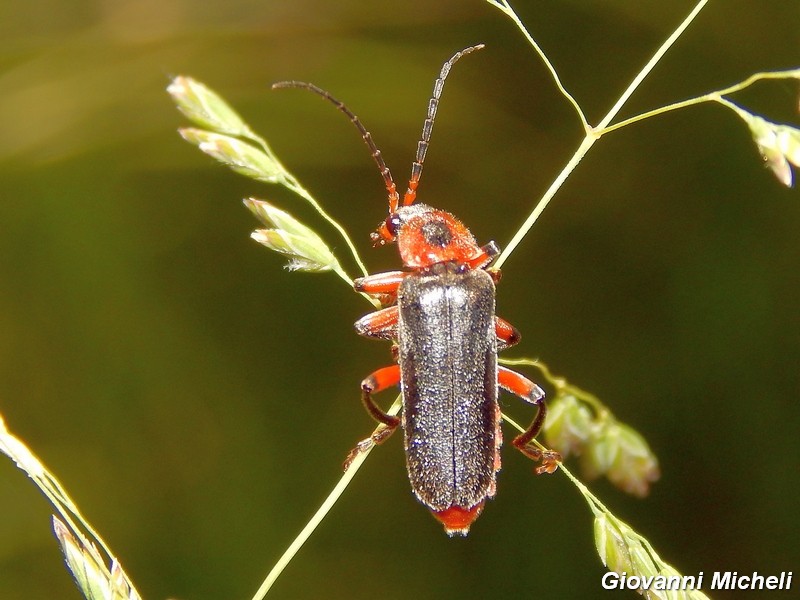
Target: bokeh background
197, 399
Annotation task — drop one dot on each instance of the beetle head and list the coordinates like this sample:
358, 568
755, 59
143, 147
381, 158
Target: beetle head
426, 236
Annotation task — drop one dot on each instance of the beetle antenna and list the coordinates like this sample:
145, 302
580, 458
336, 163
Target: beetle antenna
427, 127
391, 188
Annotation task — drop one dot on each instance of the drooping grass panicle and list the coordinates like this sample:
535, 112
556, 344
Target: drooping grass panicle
579, 424
288, 236
223, 134
621, 548
98, 577
242, 157
206, 108
778, 144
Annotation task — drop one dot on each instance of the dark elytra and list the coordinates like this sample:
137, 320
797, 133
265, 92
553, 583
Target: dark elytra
448, 358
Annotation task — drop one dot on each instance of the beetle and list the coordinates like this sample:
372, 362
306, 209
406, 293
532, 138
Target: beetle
440, 317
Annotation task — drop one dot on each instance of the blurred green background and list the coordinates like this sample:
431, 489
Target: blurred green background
197, 400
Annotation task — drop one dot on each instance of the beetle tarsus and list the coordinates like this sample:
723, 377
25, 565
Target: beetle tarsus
550, 462
376, 382
549, 458
360, 448
380, 435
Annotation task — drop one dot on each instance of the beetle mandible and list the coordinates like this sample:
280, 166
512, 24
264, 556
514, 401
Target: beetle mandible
441, 320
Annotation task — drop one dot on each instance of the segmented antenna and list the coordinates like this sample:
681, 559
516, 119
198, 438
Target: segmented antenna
422, 146
391, 188
427, 127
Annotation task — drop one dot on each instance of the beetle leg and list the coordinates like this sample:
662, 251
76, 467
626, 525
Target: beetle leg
380, 283
533, 394
487, 254
376, 382
382, 286
379, 324
507, 334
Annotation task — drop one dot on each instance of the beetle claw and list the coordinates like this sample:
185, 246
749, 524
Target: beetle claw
361, 447
550, 460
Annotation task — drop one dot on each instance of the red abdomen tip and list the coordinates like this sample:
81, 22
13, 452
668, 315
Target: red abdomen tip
457, 520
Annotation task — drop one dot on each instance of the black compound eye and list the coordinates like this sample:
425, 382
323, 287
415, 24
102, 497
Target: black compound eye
437, 233
393, 223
